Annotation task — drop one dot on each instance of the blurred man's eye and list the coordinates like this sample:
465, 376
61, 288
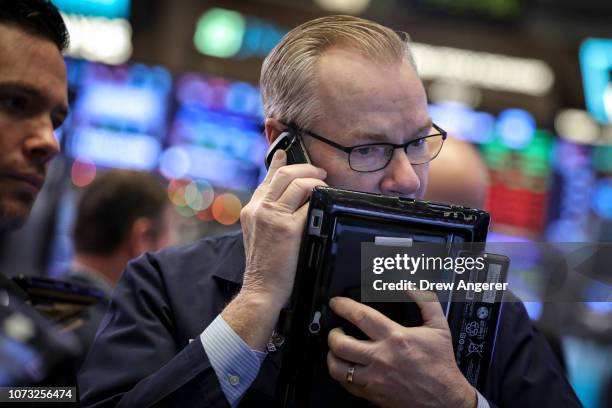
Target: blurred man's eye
14, 103
57, 121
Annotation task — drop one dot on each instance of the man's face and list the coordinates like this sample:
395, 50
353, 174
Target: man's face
365, 102
33, 102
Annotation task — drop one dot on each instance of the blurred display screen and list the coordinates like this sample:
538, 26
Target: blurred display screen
216, 134
464, 122
520, 182
581, 206
100, 8
517, 157
542, 187
119, 114
596, 66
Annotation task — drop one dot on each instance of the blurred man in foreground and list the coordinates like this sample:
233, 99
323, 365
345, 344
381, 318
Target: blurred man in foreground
190, 326
120, 216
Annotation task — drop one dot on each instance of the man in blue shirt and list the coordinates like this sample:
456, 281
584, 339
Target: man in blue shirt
189, 326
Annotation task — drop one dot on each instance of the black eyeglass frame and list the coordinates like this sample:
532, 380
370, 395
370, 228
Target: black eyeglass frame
348, 149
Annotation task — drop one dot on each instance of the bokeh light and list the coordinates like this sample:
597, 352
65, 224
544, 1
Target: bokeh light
174, 162
219, 33
516, 127
199, 196
226, 209
206, 214
82, 172
576, 126
176, 191
344, 6
193, 198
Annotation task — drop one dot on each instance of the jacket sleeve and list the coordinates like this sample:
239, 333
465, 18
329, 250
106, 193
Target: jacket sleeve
136, 361
525, 371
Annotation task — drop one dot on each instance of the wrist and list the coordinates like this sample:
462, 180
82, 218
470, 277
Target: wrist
264, 295
465, 395
253, 316
261, 300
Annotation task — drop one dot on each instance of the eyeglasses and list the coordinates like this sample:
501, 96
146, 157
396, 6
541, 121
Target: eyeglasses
372, 157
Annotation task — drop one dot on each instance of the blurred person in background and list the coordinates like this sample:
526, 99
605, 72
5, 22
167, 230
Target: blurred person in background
120, 216
189, 326
458, 175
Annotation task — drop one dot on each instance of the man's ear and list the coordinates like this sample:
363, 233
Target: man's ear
139, 237
273, 128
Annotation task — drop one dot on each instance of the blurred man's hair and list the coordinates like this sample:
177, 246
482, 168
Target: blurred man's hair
288, 74
110, 206
37, 17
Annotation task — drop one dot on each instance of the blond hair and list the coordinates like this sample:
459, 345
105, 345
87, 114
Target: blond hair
288, 73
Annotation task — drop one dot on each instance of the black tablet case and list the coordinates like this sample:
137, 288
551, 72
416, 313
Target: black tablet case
338, 222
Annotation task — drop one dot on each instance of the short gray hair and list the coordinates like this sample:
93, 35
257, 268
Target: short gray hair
288, 73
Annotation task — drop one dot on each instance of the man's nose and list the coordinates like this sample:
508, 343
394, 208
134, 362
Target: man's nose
400, 178
41, 145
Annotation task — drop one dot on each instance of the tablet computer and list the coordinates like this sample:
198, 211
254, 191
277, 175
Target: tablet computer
339, 221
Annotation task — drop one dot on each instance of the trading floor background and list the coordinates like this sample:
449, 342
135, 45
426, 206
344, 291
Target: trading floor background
170, 87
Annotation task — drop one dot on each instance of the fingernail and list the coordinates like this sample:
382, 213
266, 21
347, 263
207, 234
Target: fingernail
280, 154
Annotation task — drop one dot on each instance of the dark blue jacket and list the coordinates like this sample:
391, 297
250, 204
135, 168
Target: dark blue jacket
143, 356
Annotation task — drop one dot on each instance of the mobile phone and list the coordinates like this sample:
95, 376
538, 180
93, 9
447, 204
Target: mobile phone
291, 143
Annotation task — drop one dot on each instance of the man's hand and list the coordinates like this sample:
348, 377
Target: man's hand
399, 366
272, 223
